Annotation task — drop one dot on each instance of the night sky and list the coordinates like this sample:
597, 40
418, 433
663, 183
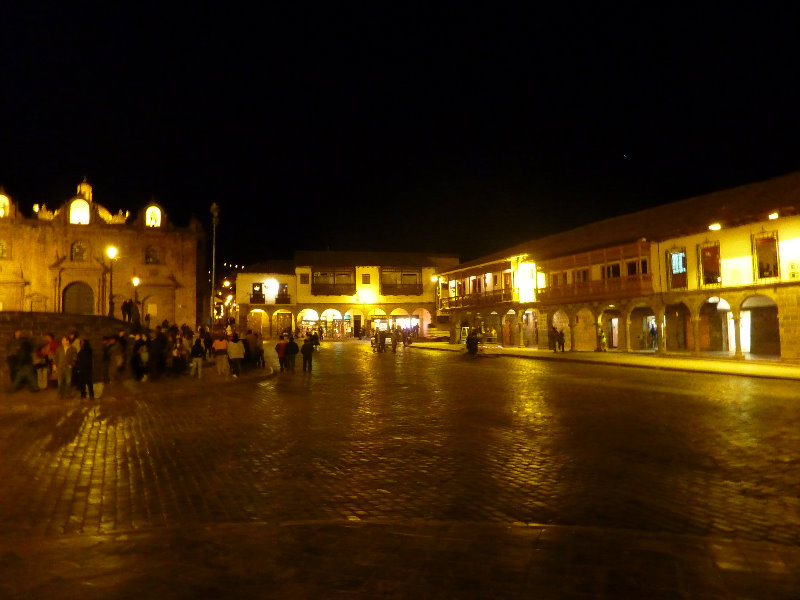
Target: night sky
393, 126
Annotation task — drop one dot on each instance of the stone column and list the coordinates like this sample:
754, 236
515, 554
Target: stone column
573, 322
696, 332
661, 327
737, 318
627, 324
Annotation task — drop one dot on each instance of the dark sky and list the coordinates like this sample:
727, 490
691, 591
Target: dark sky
393, 126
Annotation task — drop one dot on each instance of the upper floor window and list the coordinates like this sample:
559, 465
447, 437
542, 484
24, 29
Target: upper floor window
152, 216
365, 278
304, 278
611, 271
709, 258
79, 212
152, 256
78, 252
676, 265
580, 275
636, 267
765, 254
4, 249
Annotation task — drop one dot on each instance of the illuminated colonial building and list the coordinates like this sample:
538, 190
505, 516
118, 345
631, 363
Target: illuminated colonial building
718, 273
59, 260
342, 292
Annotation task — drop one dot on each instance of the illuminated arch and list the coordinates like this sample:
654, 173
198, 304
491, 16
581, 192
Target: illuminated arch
5, 205
79, 212
152, 216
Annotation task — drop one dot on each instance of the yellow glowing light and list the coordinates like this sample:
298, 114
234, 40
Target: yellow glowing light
526, 281
434, 279
111, 252
773, 216
715, 227
152, 217
226, 283
79, 212
36, 208
135, 281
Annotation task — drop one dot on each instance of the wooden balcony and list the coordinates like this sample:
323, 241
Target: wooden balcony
476, 300
604, 289
283, 299
401, 289
333, 289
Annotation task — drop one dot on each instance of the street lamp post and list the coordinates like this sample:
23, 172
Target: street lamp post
111, 252
214, 223
135, 282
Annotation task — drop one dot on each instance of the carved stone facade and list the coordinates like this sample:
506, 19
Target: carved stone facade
58, 260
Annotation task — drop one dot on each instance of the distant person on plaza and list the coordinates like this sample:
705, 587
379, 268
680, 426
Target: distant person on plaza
290, 353
561, 340
236, 355
82, 371
64, 361
136, 321
45, 356
280, 349
198, 355
472, 342
315, 340
12, 351
395, 340
220, 348
308, 353
653, 335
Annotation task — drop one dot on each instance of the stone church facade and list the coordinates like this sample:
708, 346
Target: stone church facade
58, 261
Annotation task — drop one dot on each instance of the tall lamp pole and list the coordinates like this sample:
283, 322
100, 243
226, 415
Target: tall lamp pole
111, 252
135, 282
214, 223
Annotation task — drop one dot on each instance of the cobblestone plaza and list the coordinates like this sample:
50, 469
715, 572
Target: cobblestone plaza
422, 474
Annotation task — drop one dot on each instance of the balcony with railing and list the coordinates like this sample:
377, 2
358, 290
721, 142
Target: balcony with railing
401, 289
611, 288
262, 299
333, 289
477, 299
283, 299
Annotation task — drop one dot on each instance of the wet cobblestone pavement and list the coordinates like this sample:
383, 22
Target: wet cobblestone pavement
421, 474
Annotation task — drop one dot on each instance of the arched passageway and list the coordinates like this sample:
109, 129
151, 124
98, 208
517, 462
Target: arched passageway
678, 327
643, 329
760, 331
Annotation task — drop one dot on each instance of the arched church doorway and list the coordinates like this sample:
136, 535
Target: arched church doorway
78, 299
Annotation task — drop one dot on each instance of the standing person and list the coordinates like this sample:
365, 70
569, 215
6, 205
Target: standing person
12, 352
561, 340
290, 353
472, 343
136, 319
198, 355
220, 348
82, 371
653, 335
280, 348
236, 354
308, 353
315, 340
45, 355
395, 340
64, 361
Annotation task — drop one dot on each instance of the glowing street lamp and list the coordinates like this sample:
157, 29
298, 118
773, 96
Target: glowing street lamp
135, 281
111, 252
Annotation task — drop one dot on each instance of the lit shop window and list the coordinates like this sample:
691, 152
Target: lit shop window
765, 254
152, 217
4, 205
3, 249
79, 212
710, 269
676, 263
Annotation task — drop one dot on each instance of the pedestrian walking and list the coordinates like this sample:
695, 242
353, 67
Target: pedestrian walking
198, 355
220, 348
236, 355
308, 353
290, 353
82, 371
280, 349
23, 361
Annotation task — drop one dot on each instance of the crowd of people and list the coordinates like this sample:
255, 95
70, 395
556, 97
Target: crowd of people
166, 351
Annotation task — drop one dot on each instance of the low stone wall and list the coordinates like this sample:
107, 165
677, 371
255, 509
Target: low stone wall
36, 324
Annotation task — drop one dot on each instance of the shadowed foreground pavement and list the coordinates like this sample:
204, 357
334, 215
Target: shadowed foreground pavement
416, 475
